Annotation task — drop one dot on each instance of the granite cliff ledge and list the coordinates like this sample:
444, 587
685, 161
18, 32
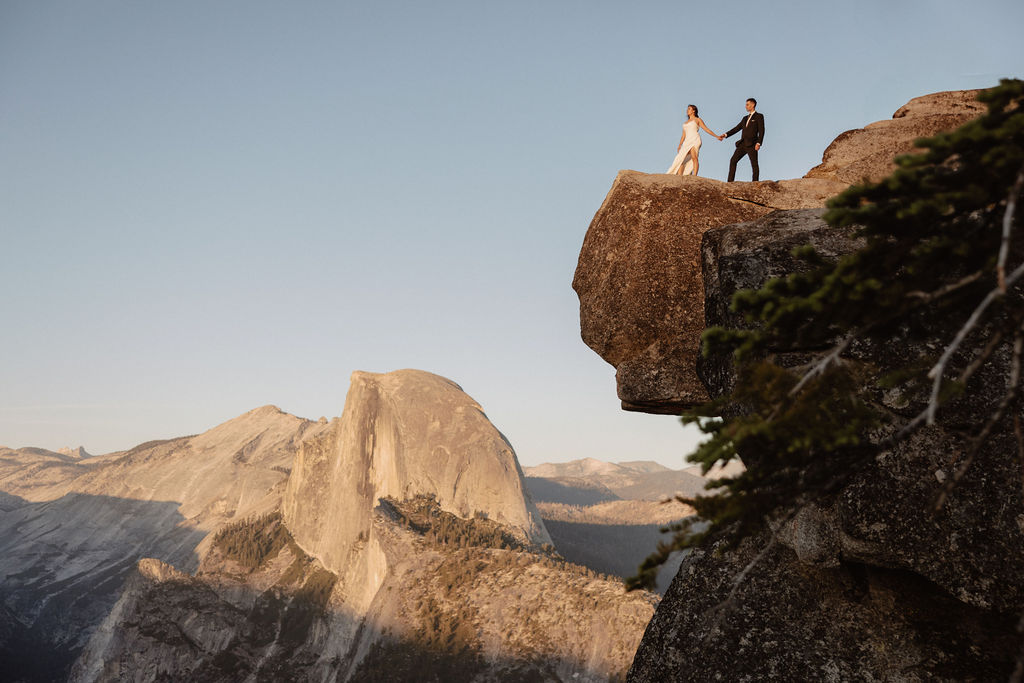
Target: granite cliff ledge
639, 276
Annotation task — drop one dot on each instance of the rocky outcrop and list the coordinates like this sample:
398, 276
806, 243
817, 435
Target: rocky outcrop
223, 624
638, 280
873, 583
867, 153
794, 621
639, 272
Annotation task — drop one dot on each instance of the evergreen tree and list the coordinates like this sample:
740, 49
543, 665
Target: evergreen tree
933, 296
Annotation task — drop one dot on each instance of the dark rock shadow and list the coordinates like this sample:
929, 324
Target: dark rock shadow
63, 563
410, 660
567, 491
616, 549
289, 633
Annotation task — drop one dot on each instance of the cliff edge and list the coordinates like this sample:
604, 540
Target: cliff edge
639, 278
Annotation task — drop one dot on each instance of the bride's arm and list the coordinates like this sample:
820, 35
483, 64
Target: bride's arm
683, 137
700, 122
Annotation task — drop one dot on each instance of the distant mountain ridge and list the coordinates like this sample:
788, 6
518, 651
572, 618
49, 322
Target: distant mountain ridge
633, 480
609, 516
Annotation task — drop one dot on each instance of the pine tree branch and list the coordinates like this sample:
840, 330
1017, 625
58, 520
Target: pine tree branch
822, 365
928, 297
1004, 246
940, 367
1001, 287
967, 373
986, 431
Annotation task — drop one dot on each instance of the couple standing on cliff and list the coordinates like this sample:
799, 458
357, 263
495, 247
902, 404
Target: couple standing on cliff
752, 125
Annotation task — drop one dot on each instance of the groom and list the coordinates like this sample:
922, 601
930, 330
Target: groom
750, 141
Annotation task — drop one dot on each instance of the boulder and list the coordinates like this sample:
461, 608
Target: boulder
867, 153
638, 276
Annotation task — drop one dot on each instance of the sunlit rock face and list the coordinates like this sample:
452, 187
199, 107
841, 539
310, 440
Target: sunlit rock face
402, 434
639, 277
868, 153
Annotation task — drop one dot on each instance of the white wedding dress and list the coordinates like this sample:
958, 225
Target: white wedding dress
691, 143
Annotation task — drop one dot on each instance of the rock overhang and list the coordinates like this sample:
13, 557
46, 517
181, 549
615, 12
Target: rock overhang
639, 277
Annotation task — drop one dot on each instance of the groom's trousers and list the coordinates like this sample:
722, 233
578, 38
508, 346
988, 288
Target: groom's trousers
739, 154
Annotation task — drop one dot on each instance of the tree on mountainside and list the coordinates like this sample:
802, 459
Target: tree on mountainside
933, 300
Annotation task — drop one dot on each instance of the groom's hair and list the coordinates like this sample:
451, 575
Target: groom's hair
751, 99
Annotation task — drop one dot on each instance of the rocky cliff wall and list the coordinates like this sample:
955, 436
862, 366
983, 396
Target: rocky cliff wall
872, 583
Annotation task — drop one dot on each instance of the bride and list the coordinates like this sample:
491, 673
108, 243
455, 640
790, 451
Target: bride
686, 162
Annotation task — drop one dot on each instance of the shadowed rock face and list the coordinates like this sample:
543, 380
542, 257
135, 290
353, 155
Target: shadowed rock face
798, 622
639, 272
874, 583
745, 256
402, 434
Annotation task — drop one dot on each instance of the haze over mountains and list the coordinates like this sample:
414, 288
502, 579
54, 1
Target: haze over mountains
396, 539
610, 516
637, 480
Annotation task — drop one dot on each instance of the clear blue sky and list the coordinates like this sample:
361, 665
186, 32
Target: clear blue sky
210, 206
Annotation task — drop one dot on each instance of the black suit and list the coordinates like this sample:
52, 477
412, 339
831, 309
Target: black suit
753, 134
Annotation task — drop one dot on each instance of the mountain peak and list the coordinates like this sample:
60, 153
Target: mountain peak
403, 434
74, 452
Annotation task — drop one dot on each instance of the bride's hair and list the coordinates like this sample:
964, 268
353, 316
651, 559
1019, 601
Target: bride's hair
694, 108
